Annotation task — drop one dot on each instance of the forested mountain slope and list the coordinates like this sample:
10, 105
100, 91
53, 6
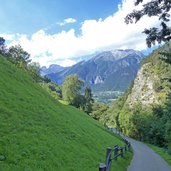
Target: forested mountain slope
38, 133
144, 112
108, 70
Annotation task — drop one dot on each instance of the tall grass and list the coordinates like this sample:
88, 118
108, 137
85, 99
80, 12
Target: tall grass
37, 133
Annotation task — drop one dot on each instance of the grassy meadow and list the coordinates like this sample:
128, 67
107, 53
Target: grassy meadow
38, 133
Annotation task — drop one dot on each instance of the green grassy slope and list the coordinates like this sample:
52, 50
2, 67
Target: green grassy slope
162, 152
38, 133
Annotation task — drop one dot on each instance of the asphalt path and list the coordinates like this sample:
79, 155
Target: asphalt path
145, 159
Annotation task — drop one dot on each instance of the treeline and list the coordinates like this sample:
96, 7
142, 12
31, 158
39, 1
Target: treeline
20, 58
73, 92
70, 91
150, 123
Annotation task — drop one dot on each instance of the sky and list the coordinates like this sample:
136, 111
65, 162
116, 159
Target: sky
64, 32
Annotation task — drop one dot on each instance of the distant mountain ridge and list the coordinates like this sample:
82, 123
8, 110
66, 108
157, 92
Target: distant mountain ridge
51, 69
108, 70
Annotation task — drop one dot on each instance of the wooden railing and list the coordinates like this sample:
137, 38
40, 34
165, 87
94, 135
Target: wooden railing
113, 154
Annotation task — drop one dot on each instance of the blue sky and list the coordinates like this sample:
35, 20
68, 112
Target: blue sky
60, 31
28, 16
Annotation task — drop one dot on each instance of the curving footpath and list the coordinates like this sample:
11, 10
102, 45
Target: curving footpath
145, 159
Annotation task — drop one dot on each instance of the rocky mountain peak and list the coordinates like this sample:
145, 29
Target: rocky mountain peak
117, 54
106, 71
51, 69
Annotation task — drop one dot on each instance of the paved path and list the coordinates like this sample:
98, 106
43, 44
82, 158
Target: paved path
145, 159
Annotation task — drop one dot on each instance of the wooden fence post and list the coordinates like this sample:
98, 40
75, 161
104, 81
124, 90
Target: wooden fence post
125, 148
129, 146
106, 166
115, 151
121, 151
102, 167
108, 158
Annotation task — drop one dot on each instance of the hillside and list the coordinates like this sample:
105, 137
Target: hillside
153, 81
108, 70
38, 133
144, 112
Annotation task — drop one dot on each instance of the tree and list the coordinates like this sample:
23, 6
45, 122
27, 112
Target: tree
168, 135
2, 46
159, 8
71, 89
88, 100
167, 108
46, 79
18, 56
53, 89
99, 112
34, 70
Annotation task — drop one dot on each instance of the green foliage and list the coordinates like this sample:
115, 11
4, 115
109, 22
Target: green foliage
33, 69
157, 86
147, 124
162, 152
168, 135
159, 67
46, 79
106, 96
71, 93
71, 89
21, 59
159, 8
38, 133
88, 100
167, 115
115, 110
99, 112
150, 123
53, 89
2, 46
18, 56
166, 57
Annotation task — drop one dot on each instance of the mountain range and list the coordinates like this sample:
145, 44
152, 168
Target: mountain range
51, 69
107, 71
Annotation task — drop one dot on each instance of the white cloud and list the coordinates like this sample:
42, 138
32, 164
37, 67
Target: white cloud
67, 62
7, 37
70, 20
67, 21
110, 33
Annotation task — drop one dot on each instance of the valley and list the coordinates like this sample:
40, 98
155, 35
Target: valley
106, 96
110, 72
85, 85
41, 120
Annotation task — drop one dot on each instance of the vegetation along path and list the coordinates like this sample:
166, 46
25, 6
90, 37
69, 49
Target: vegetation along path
145, 159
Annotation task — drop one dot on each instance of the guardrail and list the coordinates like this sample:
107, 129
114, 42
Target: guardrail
113, 154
